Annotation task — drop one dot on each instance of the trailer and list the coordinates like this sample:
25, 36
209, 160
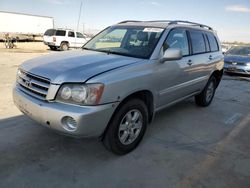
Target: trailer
25, 24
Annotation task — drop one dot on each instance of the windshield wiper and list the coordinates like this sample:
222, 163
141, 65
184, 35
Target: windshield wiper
96, 50
108, 52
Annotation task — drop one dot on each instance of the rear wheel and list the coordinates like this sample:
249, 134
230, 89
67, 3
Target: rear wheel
127, 127
206, 96
64, 46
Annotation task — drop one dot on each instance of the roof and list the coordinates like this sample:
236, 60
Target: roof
163, 23
25, 14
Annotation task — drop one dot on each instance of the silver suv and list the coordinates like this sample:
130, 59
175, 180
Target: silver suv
113, 86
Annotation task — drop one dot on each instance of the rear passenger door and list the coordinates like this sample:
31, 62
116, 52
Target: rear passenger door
200, 60
215, 55
72, 39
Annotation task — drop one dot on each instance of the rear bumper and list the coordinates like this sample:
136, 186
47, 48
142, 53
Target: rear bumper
91, 121
50, 44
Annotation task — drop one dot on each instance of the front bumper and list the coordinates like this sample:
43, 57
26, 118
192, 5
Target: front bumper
239, 69
91, 120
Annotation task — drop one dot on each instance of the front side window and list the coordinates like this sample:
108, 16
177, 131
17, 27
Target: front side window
198, 42
177, 39
134, 41
79, 35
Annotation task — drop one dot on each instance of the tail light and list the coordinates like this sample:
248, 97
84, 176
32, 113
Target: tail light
54, 39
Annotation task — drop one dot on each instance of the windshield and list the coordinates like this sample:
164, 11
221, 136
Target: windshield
243, 51
129, 41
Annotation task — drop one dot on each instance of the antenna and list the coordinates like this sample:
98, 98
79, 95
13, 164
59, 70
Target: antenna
79, 17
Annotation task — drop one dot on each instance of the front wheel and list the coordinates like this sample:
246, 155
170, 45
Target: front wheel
206, 96
127, 127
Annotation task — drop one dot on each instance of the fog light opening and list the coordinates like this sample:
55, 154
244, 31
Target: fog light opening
69, 123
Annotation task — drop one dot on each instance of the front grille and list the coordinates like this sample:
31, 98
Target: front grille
33, 85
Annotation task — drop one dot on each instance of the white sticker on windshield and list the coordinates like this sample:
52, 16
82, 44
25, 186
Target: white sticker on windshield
153, 30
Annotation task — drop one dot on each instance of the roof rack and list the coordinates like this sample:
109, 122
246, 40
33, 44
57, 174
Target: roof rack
172, 22
191, 23
126, 21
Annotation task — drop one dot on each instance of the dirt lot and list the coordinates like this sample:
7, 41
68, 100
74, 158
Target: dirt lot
9, 61
186, 146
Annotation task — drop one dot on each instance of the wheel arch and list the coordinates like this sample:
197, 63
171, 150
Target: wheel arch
145, 95
64, 41
218, 76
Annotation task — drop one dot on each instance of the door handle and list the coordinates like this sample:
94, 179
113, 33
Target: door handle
210, 57
190, 62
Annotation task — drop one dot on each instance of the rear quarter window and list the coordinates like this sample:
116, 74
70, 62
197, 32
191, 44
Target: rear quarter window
198, 42
60, 33
213, 42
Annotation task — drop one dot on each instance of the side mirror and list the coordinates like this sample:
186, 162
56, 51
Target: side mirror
171, 54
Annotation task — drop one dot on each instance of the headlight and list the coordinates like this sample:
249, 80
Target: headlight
81, 94
248, 64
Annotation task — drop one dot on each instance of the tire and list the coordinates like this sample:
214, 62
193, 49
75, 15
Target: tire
206, 96
124, 134
64, 46
52, 48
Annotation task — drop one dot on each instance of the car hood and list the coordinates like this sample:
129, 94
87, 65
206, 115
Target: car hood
75, 66
237, 58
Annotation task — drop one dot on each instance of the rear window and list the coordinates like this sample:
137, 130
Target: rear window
49, 32
60, 33
213, 42
198, 42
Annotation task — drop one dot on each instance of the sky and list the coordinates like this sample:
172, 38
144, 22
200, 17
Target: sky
230, 18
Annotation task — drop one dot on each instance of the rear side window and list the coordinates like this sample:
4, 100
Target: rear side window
177, 39
213, 42
198, 42
60, 33
71, 34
